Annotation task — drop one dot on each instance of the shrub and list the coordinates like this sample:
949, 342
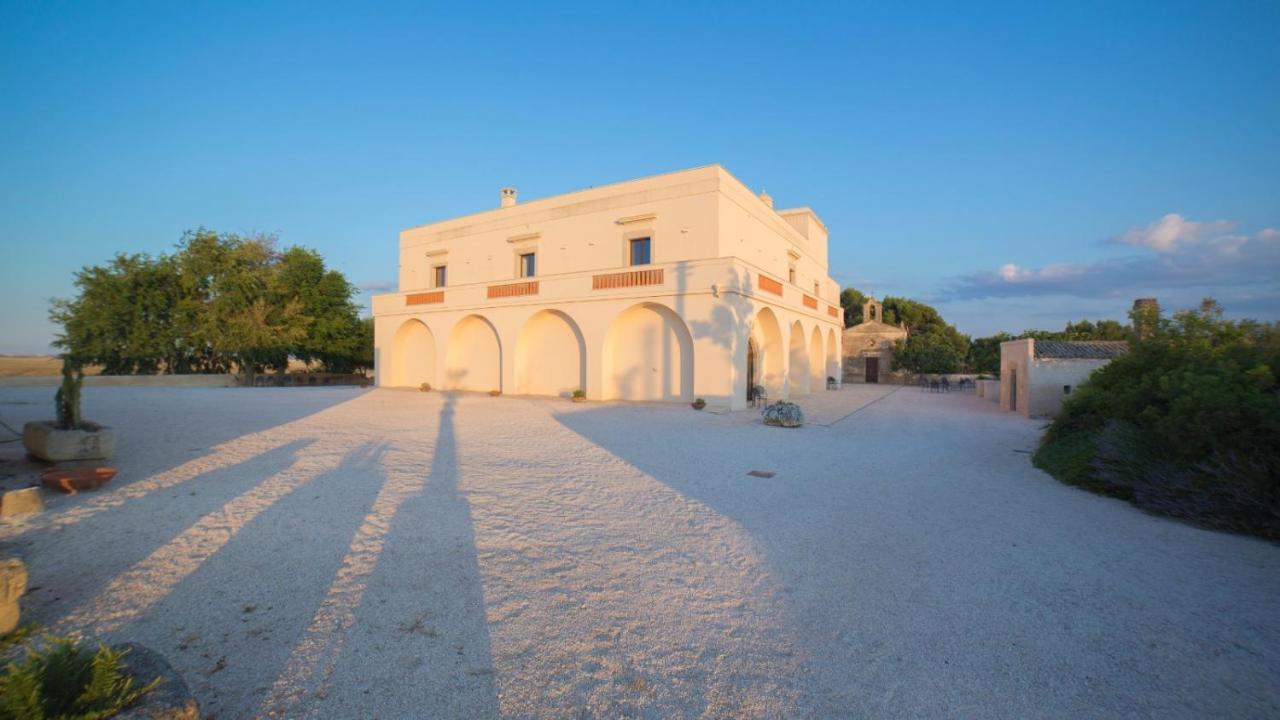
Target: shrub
1184, 424
66, 680
579, 393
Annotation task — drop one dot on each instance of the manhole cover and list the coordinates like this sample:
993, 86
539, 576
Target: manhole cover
762, 473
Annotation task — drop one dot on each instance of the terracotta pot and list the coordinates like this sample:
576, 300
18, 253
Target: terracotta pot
73, 480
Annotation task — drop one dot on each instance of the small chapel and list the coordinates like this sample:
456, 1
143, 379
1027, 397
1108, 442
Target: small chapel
868, 346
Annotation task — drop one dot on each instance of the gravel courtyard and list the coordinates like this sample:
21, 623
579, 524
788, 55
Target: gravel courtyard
337, 552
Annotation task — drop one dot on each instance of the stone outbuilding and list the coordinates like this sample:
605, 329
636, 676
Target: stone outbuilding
868, 346
1037, 375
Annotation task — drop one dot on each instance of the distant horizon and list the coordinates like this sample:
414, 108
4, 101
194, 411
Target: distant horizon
1016, 167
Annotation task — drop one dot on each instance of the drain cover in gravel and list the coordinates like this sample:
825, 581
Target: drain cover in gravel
762, 473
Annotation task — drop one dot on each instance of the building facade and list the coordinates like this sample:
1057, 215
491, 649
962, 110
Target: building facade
1036, 376
868, 346
675, 287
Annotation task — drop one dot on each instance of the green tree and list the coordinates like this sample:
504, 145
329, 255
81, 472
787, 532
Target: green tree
931, 352
984, 353
221, 302
851, 300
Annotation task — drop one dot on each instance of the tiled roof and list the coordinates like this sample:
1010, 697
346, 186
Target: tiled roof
1083, 349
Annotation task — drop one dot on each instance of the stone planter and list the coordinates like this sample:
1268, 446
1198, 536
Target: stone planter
47, 441
579, 398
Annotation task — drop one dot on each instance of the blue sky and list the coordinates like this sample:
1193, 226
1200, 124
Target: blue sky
1018, 165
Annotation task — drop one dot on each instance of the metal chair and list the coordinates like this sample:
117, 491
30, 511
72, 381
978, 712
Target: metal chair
759, 396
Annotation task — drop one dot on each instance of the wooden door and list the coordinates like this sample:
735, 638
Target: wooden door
873, 369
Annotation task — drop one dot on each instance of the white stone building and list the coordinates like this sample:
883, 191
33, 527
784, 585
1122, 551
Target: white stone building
672, 287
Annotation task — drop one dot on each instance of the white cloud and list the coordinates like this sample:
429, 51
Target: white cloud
1177, 254
1167, 233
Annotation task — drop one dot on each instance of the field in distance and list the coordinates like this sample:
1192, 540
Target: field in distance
47, 365
35, 366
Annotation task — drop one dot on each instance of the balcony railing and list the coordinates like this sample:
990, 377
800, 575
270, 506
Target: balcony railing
513, 289
769, 285
635, 278
621, 281
426, 298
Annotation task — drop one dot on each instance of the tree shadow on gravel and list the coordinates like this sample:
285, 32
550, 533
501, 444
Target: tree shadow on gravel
117, 533
420, 645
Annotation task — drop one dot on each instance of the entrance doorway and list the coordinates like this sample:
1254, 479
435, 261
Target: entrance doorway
1013, 390
751, 370
873, 369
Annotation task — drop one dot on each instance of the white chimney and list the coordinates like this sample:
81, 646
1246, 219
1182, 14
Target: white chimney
508, 197
766, 198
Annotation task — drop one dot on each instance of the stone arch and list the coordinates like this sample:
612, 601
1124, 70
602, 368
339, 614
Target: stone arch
799, 359
473, 358
817, 361
413, 355
767, 334
648, 355
833, 355
551, 356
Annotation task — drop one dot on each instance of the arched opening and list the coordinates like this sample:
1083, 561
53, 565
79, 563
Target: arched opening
413, 356
817, 361
799, 357
550, 356
767, 336
648, 355
833, 355
473, 360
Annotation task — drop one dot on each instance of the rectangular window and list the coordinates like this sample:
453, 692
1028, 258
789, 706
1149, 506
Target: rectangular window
527, 266
791, 275
640, 251
440, 276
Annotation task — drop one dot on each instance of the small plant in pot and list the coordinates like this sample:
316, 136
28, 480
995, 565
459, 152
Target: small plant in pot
495, 393
579, 395
425, 387
698, 404
70, 437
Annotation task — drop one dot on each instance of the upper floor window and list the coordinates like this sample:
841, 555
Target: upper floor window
791, 274
439, 276
640, 254
527, 266
815, 289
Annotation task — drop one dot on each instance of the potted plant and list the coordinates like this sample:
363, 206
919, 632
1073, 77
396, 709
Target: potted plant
698, 404
495, 393
69, 437
579, 395
425, 387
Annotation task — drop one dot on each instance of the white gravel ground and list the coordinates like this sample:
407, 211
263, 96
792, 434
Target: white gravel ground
391, 554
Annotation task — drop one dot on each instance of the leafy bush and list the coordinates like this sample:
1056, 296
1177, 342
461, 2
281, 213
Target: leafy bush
68, 681
1184, 424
